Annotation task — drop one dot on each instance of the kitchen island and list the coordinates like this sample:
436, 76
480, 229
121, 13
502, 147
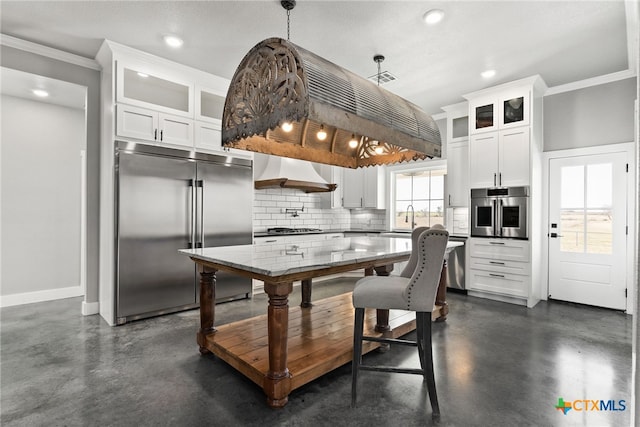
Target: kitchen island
285, 349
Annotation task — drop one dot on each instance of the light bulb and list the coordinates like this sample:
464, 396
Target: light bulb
353, 142
287, 126
173, 41
433, 16
378, 149
41, 93
322, 135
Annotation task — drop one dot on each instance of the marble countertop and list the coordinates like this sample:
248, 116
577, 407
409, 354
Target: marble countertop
351, 230
279, 259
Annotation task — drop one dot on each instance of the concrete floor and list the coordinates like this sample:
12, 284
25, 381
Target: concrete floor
496, 365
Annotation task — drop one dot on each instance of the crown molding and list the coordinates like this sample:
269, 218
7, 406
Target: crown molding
594, 81
48, 52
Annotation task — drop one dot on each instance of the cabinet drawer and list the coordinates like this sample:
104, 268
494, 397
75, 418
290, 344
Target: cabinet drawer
501, 267
501, 249
497, 283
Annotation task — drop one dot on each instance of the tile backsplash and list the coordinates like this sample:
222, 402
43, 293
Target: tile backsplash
269, 211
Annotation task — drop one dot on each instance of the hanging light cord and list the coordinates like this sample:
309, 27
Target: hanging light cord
379, 72
288, 23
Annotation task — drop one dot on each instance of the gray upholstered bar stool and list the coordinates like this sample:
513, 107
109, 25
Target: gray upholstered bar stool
414, 290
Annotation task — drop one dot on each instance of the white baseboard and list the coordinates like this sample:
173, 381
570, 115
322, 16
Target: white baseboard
89, 308
40, 296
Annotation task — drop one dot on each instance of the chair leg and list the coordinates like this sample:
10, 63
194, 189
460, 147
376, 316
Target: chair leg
423, 331
357, 352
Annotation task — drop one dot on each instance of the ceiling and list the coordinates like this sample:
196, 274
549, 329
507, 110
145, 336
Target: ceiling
563, 41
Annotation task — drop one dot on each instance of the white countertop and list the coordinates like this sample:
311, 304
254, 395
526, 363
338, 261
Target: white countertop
279, 259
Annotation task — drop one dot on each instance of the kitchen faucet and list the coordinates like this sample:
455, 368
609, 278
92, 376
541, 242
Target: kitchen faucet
413, 213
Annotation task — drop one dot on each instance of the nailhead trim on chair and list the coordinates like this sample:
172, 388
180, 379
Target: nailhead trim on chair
413, 283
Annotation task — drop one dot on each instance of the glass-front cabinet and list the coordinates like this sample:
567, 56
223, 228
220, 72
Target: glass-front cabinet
138, 85
209, 105
511, 109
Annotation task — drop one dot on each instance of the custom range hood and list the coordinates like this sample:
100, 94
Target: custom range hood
286, 101
292, 173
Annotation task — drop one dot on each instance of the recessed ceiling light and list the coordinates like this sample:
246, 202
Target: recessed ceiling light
41, 93
173, 41
433, 16
487, 74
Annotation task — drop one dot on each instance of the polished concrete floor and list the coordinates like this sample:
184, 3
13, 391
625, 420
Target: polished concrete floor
496, 365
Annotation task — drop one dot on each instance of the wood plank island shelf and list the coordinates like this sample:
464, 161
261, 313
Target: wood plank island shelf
287, 348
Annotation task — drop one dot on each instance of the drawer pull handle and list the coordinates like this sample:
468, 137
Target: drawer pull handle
270, 241
496, 262
496, 243
496, 275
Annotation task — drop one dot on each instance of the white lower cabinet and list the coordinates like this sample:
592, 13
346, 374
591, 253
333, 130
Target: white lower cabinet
499, 283
500, 268
149, 125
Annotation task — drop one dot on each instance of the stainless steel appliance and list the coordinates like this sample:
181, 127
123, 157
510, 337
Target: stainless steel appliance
500, 212
167, 200
456, 261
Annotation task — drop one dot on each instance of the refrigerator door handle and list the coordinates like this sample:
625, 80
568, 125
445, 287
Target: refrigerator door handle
200, 215
191, 214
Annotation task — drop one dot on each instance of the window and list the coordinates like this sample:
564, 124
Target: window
419, 197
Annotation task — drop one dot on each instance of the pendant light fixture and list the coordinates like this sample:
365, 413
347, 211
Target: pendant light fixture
279, 83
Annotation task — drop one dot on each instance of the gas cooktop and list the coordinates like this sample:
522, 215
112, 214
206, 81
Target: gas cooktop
285, 230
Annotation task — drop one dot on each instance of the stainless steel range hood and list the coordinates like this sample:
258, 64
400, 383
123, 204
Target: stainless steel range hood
278, 84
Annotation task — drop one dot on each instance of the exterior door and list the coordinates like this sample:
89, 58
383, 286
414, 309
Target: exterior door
587, 234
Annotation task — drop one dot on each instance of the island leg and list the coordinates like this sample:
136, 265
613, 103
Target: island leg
277, 382
382, 316
306, 293
441, 296
207, 305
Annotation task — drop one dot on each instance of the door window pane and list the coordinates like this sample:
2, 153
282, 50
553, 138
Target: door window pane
572, 230
599, 231
572, 187
599, 185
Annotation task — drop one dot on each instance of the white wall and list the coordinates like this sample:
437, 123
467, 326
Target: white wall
41, 200
591, 116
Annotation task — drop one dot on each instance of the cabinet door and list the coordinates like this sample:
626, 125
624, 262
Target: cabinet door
514, 157
134, 122
175, 130
483, 115
514, 109
499, 283
372, 197
208, 136
140, 85
353, 188
458, 173
209, 105
483, 160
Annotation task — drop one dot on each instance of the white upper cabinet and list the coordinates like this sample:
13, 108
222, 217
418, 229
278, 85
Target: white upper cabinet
500, 111
505, 133
209, 105
499, 159
150, 125
457, 154
364, 188
137, 84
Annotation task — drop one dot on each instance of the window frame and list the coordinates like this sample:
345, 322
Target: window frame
392, 171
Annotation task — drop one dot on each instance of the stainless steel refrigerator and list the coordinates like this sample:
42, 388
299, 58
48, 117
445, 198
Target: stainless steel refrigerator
167, 200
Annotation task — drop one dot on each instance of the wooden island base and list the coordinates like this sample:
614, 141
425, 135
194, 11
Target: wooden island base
320, 339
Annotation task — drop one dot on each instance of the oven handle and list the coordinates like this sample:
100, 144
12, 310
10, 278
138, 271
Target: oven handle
499, 212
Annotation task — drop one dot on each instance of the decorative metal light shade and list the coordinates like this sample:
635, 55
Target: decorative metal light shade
278, 84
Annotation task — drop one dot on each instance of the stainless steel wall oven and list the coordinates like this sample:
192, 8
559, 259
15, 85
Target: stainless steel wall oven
500, 212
